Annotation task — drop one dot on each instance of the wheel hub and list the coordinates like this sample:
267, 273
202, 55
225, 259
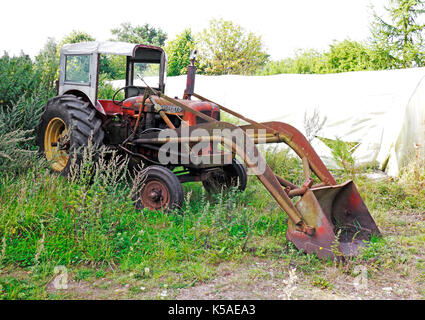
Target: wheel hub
56, 144
155, 195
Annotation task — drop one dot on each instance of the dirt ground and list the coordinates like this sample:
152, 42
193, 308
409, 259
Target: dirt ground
260, 279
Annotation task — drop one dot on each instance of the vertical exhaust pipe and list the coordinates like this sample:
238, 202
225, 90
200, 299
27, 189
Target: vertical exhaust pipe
191, 71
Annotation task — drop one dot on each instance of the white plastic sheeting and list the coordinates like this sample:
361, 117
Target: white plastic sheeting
384, 111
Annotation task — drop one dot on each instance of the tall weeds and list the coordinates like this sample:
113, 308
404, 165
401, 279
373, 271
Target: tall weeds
412, 176
24, 114
18, 123
12, 156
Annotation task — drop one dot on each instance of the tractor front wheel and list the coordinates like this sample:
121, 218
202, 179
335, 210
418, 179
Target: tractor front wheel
161, 190
66, 125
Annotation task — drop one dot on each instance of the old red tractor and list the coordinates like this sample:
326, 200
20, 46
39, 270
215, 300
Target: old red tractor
183, 140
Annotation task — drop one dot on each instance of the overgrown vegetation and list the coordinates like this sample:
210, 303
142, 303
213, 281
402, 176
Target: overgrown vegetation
20, 76
88, 226
91, 220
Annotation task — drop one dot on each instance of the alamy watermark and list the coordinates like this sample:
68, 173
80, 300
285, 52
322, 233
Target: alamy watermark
360, 281
60, 282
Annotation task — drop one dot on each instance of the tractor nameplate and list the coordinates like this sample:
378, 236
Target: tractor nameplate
172, 109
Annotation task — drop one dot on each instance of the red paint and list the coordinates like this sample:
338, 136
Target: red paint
320, 230
354, 199
111, 109
203, 107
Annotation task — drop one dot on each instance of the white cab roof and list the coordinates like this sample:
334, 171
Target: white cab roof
107, 47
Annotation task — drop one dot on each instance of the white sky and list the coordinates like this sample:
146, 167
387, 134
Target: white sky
285, 25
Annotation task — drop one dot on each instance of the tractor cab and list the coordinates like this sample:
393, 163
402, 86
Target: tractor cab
145, 66
79, 68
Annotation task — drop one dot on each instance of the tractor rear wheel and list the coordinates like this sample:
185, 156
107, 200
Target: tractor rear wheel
230, 176
161, 190
66, 125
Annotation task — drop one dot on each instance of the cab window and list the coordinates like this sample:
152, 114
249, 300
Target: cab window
149, 72
77, 69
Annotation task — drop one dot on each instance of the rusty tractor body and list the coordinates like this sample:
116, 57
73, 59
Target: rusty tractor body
329, 220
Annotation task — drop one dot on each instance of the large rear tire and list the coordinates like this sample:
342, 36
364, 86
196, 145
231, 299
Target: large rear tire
67, 124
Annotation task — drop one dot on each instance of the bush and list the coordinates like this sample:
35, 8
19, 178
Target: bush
19, 77
24, 114
342, 56
304, 62
412, 177
12, 156
18, 123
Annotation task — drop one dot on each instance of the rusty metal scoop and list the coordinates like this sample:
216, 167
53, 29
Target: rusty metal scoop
341, 220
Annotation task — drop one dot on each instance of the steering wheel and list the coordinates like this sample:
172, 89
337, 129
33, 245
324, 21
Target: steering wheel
119, 103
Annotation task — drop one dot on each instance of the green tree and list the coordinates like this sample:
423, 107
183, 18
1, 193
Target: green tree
114, 67
400, 40
144, 34
47, 63
347, 55
18, 78
75, 37
342, 56
226, 48
178, 51
308, 61
304, 62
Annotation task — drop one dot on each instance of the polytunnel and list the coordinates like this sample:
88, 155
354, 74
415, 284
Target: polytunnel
382, 111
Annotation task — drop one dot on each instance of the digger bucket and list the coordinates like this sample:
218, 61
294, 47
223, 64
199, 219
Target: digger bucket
340, 218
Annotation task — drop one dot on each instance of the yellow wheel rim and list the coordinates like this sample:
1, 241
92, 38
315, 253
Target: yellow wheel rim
55, 136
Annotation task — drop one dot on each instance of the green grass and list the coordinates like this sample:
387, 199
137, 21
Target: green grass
321, 283
12, 288
47, 220
94, 230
